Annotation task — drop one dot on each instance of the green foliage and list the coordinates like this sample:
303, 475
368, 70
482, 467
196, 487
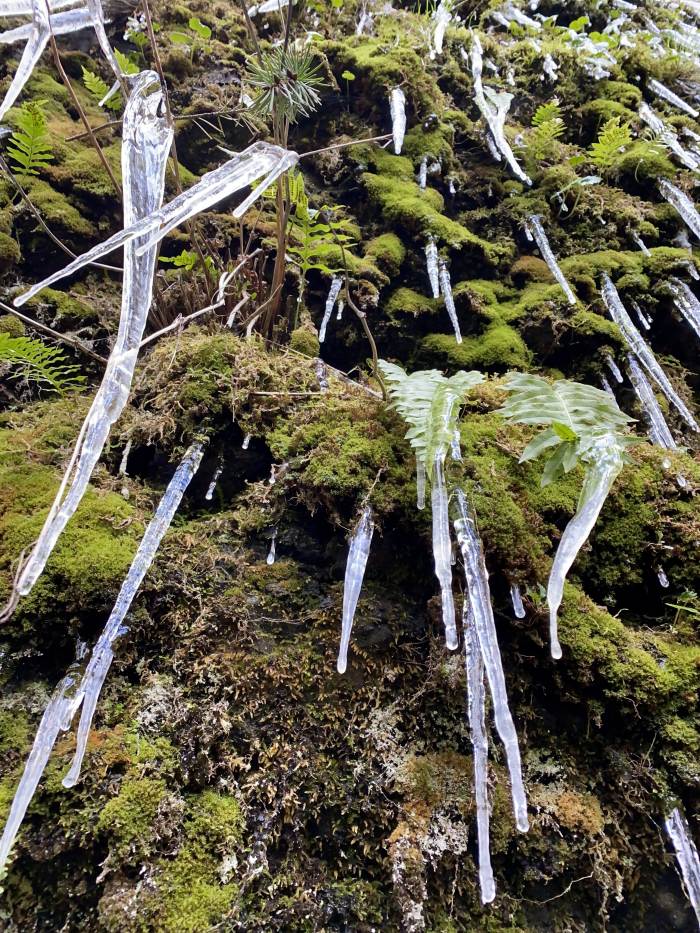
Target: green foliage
30, 146
285, 83
99, 89
576, 414
429, 403
187, 260
39, 363
613, 141
126, 63
541, 140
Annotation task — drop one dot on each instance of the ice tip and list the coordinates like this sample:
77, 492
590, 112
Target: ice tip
523, 824
341, 665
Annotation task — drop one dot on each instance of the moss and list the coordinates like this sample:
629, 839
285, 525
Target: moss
591, 324
63, 309
386, 251
597, 112
435, 143
129, 818
626, 94
530, 269
10, 253
645, 163
9, 324
305, 340
405, 301
499, 348
57, 210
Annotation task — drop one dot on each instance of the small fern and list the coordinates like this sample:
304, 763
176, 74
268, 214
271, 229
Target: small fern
99, 89
30, 146
429, 403
613, 142
541, 140
37, 362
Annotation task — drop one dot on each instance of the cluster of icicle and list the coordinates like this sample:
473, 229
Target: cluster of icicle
145, 146
687, 856
535, 231
494, 108
47, 19
440, 283
74, 690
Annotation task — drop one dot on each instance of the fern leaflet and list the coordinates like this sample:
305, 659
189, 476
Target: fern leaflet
34, 360
30, 146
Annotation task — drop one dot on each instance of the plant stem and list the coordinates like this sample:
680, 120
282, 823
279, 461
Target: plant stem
49, 331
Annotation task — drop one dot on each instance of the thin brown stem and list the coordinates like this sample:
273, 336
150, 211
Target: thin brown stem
50, 332
353, 142
252, 32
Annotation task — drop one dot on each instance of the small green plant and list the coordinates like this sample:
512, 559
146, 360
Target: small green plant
286, 84
541, 141
199, 32
30, 145
99, 89
33, 360
187, 260
612, 144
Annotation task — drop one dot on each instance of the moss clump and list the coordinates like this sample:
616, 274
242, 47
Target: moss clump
129, 818
63, 309
305, 340
499, 348
386, 251
626, 94
530, 269
405, 301
10, 253
57, 210
9, 324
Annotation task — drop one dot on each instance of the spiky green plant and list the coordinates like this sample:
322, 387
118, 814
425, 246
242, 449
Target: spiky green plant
612, 144
30, 145
34, 360
541, 141
285, 83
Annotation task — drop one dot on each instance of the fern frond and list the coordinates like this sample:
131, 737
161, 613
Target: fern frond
30, 146
613, 141
429, 403
34, 360
548, 113
100, 89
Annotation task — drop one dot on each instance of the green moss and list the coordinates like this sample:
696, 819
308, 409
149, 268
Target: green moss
57, 210
305, 340
386, 251
435, 143
626, 94
499, 348
405, 301
129, 818
597, 113
10, 253
645, 163
63, 308
9, 324
79, 170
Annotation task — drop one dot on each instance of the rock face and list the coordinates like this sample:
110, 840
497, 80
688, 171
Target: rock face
233, 780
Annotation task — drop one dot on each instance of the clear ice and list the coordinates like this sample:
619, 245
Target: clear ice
272, 553
659, 431
333, 293
358, 554
665, 93
687, 856
534, 222
211, 489
517, 601
397, 104
683, 205
431, 257
687, 303
442, 548
446, 289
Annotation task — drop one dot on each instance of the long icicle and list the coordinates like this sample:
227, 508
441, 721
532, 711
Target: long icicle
477, 726
665, 93
603, 462
442, 548
432, 261
96, 671
687, 855
354, 575
534, 222
446, 288
687, 303
682, 204
641, 350
659, 431
145, 147
397, 104
333, 293
480, 599
39, 35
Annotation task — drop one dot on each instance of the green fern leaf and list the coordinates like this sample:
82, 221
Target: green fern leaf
613, 142
100, 89
35, 361
30, 146
429, 403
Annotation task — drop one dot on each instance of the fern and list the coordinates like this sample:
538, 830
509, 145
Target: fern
30, 145
542, 138
100, 89
613, 142
429, 403
577, 416
126, 63
34, 360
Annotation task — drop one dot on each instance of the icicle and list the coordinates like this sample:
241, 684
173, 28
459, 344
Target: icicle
96, 671
272, 553
663, 579
646, 324
321, 375
36, 43
687, 856
446, 288
358, 554
550, 68
456, 446
122, 468
534, 222
683, 205
668, 136
494, 108
517, 601
260, 159
477, 727
333, 293
603, 462
639, 348
480, 601
692, 270
246, 442
423, 173
441, 17
57, 718
442, 549
364, 24
614, 368
687, 303
639, 242
658, 429
420, 483
606, 385
98, 22
397, 103
214, 480
268, 6
431, 256
145, 148
452, 189
656, 87
341, 308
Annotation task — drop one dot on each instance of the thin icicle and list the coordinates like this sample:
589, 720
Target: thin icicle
663, 579
354, 575
534, 222
91, 684
211, 489
683, 205
423, 173
687, 303
641, 350
480, 600
639, 242
420, 483
268, 6
39, 35
494, 108
668, 136
272, 553
246, 442
57, 718
333, 293
603, 462
550, 68
431, 256
687, 856
456, 446
517, 601
641, 317
122, 468
659, 431
441, 18
442, 548
656, 87
397, 104
145, 148
321, 375
446, 289
341, 308
606, 385
259, 160
614, 368
477, 727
